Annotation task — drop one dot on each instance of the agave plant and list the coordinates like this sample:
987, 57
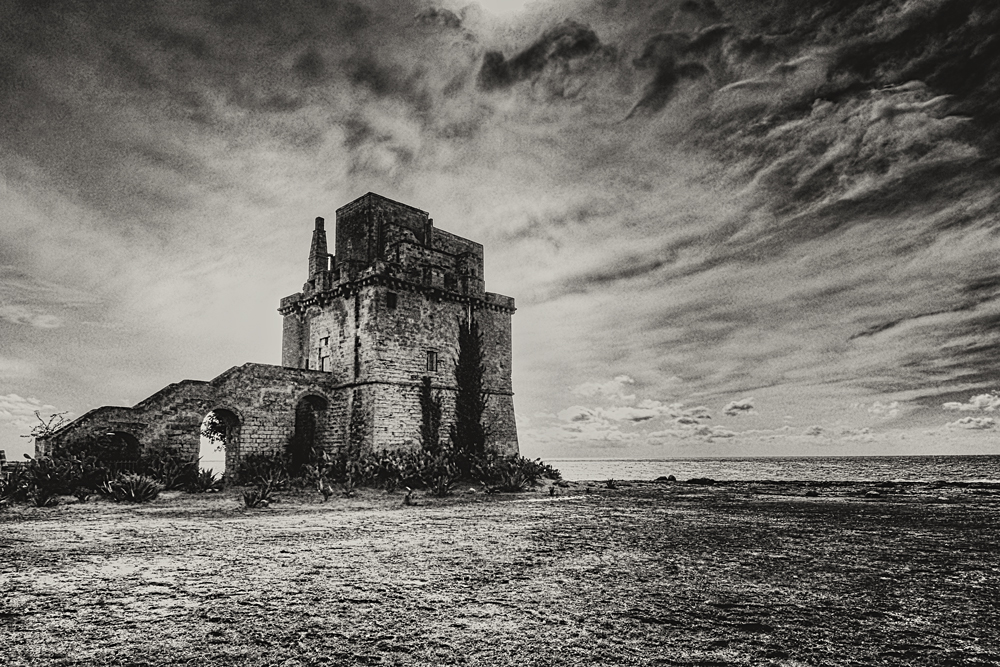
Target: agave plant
206, 482
258, 495
507, 474
14, 486
171, 468
42, 497
129, 487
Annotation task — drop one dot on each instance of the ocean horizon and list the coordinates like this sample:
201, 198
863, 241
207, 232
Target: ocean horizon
924, 468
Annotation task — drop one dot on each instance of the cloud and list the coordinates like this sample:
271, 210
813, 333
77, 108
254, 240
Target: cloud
858, 435
19, 314
566, 48
690, 431
887, 410
16, 368
19, 412
613, 389
739, 407
981, 403
973, 423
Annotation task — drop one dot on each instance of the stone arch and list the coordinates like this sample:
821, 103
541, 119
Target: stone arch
310, 426
121, 446
225, 432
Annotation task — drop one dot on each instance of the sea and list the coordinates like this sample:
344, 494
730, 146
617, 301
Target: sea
979, 468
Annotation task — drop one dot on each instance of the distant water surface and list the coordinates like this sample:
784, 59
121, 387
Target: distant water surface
798, 468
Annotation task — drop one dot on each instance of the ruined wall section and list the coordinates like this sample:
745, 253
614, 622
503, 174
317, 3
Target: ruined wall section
293, 328
263, 398
90, 426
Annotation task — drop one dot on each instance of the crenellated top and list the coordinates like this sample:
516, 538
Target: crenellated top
376, 236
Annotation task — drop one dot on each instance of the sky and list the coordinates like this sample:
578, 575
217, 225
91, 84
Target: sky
732, 228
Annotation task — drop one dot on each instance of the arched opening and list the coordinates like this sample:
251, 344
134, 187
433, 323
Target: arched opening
220, 439
310, 421
117, 446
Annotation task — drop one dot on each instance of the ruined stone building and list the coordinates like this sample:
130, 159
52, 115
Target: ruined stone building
370, 323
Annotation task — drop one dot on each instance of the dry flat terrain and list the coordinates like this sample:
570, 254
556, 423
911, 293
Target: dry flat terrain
648, 574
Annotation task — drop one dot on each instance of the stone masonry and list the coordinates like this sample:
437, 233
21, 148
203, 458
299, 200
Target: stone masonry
368, 325
384, 312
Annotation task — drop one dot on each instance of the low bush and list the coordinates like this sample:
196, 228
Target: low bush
512, 474
42, 497
170, 468
14, 486
206, 482
272, 467
49, 477
129, 487
440, 476
258, 495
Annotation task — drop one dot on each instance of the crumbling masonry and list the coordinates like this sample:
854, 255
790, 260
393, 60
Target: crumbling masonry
369, 324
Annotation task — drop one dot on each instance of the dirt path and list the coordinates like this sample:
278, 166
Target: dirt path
646, 575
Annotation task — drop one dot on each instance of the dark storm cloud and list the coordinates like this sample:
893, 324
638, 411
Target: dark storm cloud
438, 16
556, 47
95, 92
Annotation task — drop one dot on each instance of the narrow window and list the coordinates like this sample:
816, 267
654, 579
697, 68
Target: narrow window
324, 363
307, 364
390, 300
432, 361
324, 341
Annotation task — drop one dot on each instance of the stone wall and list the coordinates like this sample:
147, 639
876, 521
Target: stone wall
262, 397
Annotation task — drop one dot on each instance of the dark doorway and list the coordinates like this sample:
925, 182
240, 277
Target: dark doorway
120, 446
310, 420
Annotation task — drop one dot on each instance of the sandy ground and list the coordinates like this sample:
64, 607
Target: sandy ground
646, 574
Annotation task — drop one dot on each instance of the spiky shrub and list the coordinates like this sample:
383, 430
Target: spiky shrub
543, 470
258, 495
50, 477
14, 486
271, 466
43, 498
170, 468
132, 488
505, 474
207, 481
89, 474
439, 474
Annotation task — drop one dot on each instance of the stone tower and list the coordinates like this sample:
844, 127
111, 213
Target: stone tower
384, 312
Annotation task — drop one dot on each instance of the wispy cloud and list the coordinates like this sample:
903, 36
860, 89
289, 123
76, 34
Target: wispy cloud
19, 412
613, 389
973, 423
18, 314
739, 407
981, 403
16, 369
